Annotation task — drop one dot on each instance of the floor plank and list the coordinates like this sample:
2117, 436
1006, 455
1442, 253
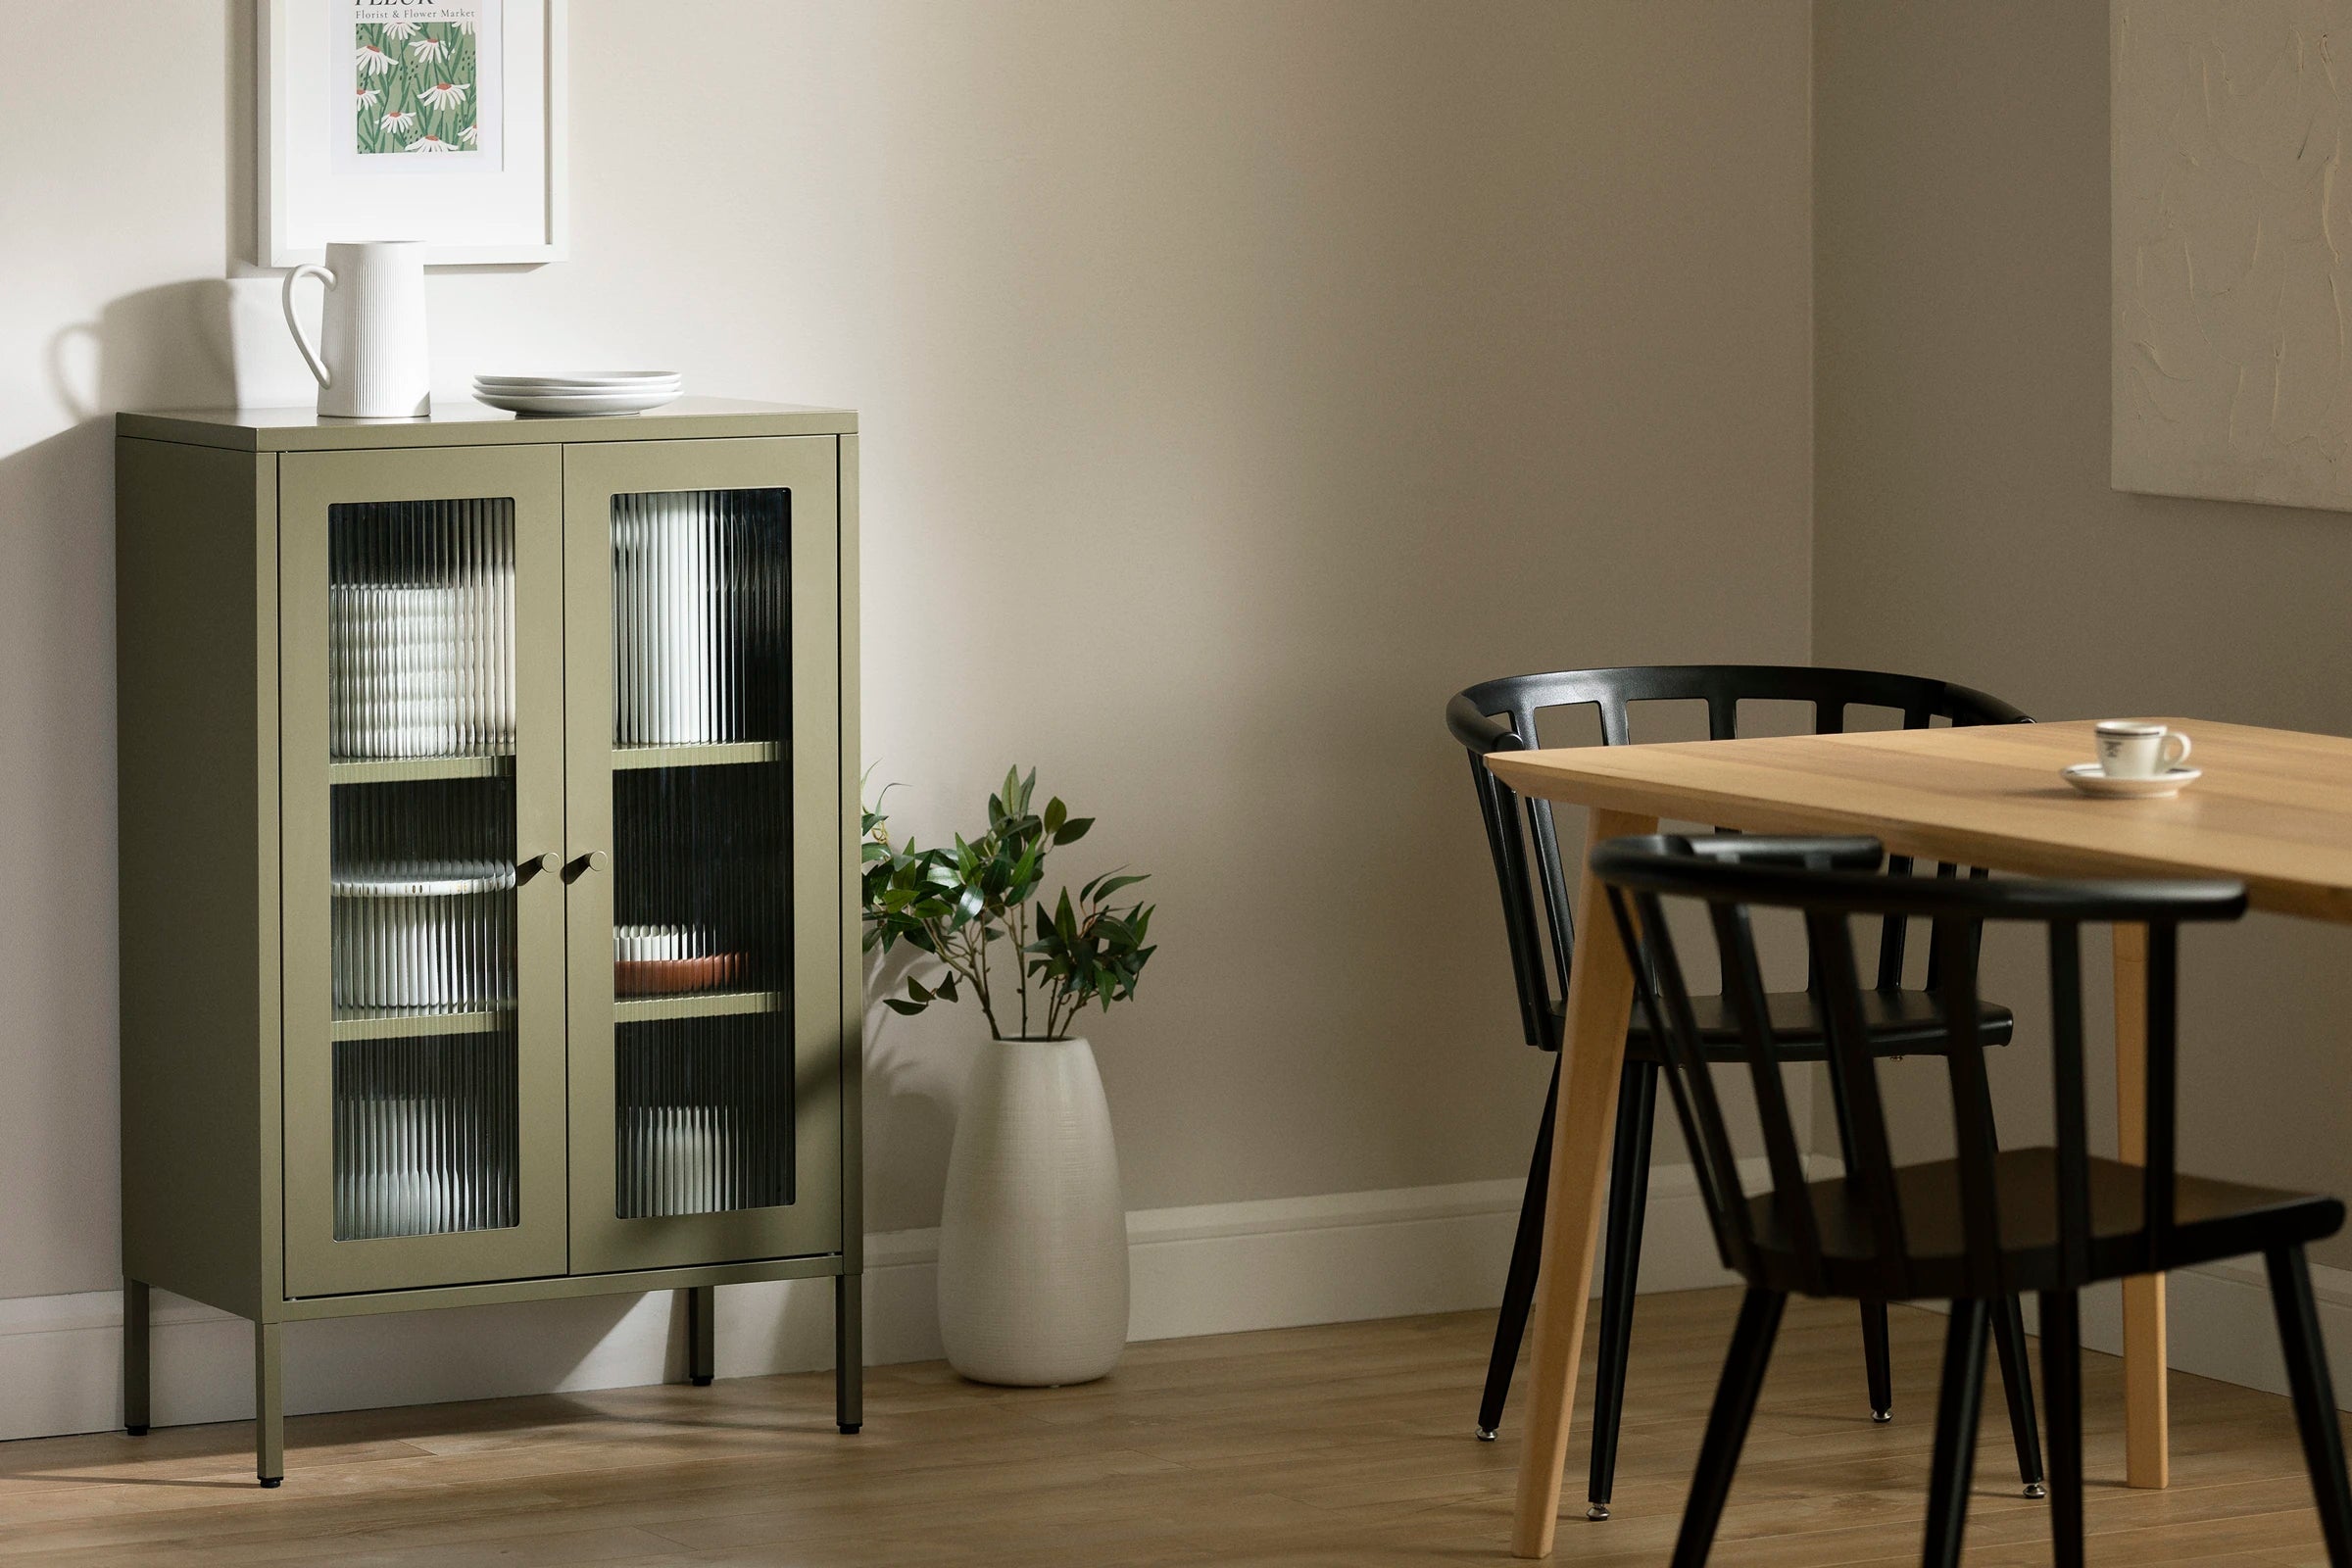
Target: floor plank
1340, 1443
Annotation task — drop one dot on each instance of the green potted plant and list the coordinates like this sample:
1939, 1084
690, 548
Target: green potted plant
1032, 1230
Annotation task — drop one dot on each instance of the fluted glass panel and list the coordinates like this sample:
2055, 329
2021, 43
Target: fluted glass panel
425, 1137
421, 628
702, 865
704, 1114
424, 883
700, 651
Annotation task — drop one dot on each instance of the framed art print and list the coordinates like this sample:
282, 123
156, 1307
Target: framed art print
432, 120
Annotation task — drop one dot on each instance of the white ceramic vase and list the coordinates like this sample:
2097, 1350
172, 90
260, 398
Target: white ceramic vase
1032, 1233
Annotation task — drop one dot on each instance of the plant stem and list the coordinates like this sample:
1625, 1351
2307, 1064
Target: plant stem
1020, 943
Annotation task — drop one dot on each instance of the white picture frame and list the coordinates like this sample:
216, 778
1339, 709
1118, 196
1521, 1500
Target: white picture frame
503, 203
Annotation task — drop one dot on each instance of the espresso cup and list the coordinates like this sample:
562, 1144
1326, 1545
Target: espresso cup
2132, 748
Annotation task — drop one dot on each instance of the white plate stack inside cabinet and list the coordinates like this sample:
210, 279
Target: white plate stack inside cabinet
671, 664
440, 937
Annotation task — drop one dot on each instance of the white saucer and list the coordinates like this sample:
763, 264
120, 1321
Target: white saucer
617, 380
2092, 779
576, 402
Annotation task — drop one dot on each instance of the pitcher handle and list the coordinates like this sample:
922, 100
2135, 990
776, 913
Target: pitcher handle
302, 342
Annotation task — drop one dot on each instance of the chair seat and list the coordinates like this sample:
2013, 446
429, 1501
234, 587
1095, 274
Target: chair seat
2211, 1219
1900, 1023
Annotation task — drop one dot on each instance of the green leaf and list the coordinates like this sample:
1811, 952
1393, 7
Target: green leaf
1073, 830
908, 1008
1056, 814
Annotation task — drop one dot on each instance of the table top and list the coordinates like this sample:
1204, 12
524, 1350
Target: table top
2274, 808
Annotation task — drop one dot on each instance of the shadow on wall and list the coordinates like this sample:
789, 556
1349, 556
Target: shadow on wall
206, 343
58, 1099
914, 1072
57, 932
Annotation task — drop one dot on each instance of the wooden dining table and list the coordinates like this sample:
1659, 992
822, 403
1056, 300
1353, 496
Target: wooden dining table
2273, 809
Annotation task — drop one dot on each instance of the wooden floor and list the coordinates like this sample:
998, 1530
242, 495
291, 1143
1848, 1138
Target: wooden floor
1346, 1445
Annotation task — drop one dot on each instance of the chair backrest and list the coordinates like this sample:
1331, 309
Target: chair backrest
1831, 883
1500, 715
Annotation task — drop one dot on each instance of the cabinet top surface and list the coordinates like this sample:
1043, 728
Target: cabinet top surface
462, 422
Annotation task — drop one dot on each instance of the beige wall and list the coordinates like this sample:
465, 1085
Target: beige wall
1965, 527
1238, 379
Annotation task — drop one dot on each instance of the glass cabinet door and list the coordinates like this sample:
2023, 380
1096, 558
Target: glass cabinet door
422, 689
705, 816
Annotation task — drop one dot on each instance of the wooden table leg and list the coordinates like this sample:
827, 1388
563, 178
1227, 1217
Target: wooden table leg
1600, 995
2147, 1437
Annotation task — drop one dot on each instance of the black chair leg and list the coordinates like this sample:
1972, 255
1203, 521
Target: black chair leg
1957, 1406
2062, 1398
1727, 1425
1877, 1365
1629, 1203
1519, 1285
2017, 1382
2315, 1397
2017, 1377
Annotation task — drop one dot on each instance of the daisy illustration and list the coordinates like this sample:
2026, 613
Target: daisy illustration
373, 62
430, 144
463, 24
469, 136
367, 97
428, 51
400, 121
443, 94
400, 29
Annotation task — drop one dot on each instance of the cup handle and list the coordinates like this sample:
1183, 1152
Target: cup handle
2175, 750
309, 351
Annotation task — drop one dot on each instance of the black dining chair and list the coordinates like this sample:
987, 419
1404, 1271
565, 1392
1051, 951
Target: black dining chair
1500, 715
1976, 1228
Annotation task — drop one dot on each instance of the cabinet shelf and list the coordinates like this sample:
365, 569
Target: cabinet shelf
712, 755
399, 770
698, 1004
401, 1023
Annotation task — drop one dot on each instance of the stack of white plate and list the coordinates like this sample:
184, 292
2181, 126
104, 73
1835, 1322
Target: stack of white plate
577, 392
678, 1160
421, 672
673, 657
432, 934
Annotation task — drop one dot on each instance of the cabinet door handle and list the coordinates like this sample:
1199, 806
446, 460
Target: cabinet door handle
581, 865
539, 865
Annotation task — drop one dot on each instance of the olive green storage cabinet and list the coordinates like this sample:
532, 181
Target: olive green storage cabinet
488, 865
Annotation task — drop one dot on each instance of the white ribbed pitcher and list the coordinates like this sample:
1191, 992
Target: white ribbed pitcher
374, 366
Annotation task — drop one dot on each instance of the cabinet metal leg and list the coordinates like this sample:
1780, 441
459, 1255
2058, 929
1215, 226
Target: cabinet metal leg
134, 1358
849, 1352
268, 1406
702, 1334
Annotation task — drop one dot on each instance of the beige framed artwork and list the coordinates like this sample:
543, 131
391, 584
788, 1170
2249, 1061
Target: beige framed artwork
441, 121
2232, 208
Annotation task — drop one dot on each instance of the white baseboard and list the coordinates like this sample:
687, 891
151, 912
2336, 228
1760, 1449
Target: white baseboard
1214, 1269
